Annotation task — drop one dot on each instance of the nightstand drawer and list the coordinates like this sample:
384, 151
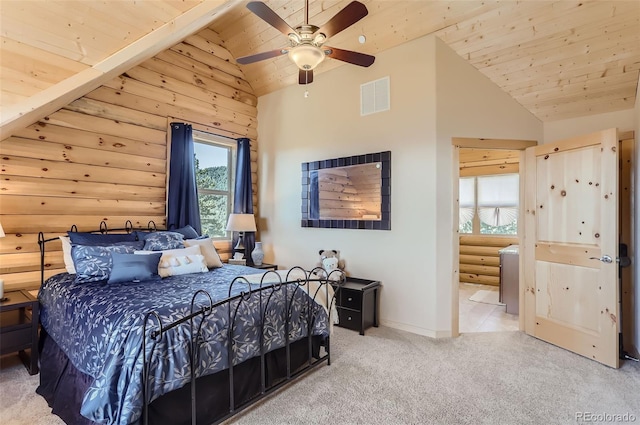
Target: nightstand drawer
16, 340
350, 298
350, 319
19, 317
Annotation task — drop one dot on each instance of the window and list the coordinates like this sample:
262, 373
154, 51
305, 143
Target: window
215, 163
489, 204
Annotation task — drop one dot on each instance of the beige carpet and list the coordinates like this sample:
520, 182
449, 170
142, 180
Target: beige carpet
486, 297
395, 377
19, 404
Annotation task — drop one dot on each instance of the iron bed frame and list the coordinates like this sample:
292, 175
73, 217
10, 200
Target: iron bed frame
153, 329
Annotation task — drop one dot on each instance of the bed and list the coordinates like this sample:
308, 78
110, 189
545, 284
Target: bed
188, 348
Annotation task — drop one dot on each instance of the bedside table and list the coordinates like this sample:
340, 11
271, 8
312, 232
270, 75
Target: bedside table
19, 319
266, 266
357, 302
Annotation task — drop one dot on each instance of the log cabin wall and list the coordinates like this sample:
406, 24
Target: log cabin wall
104, 156
479, 254
480, 258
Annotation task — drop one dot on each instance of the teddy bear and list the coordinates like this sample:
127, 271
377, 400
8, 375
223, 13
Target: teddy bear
330, 262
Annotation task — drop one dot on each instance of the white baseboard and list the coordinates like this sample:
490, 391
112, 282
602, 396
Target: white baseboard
416, 329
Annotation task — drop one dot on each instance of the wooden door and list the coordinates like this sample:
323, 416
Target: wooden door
571, 245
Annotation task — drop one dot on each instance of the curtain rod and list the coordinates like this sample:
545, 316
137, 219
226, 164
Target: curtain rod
209, 132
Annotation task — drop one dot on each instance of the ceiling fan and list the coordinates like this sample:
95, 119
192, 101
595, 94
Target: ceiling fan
307, 48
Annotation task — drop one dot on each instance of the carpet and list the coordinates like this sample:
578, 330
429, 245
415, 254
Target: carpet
392, 377
486, 297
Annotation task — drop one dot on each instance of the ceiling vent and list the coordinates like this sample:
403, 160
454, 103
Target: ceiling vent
374, 96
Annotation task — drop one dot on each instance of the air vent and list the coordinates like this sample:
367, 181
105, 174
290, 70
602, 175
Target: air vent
374, 96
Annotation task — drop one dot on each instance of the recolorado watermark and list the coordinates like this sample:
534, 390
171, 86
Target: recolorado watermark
605, 417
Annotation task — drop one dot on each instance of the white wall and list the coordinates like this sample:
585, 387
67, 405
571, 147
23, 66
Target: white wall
293, 129
563, 129
413, 259
468, 105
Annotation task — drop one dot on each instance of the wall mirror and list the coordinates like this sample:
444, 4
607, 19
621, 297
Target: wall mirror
352, 192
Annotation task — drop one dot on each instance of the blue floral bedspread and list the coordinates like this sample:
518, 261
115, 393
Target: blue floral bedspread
99, 326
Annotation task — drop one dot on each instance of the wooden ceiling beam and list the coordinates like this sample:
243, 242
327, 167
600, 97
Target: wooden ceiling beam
66, 91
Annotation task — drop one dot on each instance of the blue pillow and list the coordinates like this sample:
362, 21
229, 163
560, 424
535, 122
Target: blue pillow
187, 231
134, 268
82, 238
93, 263
160, 241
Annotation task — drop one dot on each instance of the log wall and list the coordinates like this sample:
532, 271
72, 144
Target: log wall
104, 156
480, 258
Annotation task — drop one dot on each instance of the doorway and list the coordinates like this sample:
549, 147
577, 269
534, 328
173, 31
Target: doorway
476, 305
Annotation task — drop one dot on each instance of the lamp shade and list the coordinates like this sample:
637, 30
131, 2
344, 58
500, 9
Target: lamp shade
241, 223
306, 56
1, 231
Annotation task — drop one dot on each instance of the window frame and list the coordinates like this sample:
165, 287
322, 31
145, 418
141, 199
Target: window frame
206, 138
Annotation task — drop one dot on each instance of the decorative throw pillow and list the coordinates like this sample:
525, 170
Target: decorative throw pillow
187, 231
160, 241
170, 254
185, 264
134, 268
193, 250
82, 238
66, 254
208, 251
93, 263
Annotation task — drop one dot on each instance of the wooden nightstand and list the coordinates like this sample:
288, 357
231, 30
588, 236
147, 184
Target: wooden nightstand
265, 266
357, 302
19, 317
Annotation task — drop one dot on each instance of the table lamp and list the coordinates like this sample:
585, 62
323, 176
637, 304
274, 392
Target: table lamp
241, 223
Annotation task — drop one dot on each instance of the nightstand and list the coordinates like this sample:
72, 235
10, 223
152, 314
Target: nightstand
357, 302
265, 266
19, 317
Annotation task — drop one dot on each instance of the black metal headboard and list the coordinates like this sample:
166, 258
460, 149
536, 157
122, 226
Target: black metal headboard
128, 228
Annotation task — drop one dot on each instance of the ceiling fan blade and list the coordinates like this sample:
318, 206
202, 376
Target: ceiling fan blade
244, 60
355, 58
305, 77
344, 19
269, 16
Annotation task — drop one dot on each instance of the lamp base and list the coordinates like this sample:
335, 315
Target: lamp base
238, 250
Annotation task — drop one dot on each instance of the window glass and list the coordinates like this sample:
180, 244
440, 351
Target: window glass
498, 204
489, 204
467, 196
214, 161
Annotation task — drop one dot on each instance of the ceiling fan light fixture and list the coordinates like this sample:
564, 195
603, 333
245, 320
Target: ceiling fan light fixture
306, 56
319, 39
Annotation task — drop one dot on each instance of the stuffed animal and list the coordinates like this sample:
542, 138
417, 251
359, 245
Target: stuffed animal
330, 262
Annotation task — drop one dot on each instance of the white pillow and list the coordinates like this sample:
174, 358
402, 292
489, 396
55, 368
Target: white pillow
208, 250
194, 250
66, 254
177, 265
169, 254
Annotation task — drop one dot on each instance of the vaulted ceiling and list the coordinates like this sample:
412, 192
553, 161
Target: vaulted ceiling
559, 59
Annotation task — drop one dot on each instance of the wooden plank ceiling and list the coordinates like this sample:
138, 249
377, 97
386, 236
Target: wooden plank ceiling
559, 59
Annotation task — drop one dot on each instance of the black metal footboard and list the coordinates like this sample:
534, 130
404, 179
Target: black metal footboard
320, 298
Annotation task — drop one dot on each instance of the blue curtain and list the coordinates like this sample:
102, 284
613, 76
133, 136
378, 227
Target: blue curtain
182, 199
243, 193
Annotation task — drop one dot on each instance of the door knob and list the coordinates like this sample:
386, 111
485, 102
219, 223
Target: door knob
605, 259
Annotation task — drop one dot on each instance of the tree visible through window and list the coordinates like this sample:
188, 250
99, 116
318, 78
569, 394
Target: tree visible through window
489, 204
214, 178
